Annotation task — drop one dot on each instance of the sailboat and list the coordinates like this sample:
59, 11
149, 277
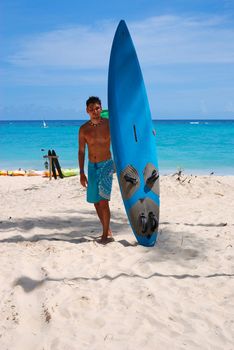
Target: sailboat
44, 124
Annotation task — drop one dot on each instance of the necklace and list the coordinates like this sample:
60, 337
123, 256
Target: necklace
93, 124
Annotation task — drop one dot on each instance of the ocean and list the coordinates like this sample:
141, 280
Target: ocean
197, 147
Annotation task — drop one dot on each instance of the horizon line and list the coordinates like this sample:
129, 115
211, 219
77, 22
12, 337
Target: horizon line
154, 119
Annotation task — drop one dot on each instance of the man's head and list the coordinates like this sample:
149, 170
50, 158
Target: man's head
92, 100
94, 107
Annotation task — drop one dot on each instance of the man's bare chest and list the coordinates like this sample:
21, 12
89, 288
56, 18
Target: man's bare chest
98, 136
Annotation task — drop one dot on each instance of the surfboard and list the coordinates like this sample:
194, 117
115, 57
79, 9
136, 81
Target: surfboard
57, 164
52, 165
133, 138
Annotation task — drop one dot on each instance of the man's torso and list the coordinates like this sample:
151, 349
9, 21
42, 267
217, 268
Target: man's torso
98, 141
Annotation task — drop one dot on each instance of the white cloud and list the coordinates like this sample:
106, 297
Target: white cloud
46, 77
159, 40
179, 40
76, 47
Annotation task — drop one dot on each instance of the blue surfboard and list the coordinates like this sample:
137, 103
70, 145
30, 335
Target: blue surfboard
133, 138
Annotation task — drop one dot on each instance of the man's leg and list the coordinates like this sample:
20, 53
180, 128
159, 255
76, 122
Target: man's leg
99, 211
104, 212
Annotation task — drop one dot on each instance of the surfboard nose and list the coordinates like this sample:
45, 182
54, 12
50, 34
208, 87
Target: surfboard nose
122, 24
122, 28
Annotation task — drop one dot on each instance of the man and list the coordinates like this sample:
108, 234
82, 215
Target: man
96, 134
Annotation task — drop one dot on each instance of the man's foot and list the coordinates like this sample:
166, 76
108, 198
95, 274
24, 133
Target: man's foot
105, 240
110, 233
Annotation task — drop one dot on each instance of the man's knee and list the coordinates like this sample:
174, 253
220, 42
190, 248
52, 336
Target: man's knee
96, 205
104, 204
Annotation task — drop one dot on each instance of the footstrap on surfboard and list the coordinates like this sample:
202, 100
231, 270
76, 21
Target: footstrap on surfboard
148, 224
153, 177
131, 179
153, 222
143, 223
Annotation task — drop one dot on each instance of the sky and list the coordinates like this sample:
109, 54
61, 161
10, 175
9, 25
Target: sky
55, 54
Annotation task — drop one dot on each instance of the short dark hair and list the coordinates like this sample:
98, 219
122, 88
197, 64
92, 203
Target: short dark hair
93, 99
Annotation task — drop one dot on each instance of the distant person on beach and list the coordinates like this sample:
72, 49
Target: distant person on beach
96, 134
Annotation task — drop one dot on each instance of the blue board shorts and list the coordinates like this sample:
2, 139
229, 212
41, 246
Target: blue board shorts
100, 176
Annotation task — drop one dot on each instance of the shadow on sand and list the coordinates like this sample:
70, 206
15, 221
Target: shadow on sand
29, 284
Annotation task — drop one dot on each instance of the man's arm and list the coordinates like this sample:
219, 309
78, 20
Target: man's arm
81, 157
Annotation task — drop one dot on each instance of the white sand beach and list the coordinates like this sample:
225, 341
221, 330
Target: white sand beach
60, 289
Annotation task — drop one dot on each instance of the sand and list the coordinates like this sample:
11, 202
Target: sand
60, 289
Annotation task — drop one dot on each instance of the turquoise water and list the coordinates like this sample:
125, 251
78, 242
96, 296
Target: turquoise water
195, 146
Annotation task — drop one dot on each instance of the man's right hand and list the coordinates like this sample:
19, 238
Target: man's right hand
83, 180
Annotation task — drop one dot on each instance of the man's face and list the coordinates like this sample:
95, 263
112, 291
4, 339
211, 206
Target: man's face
94, 110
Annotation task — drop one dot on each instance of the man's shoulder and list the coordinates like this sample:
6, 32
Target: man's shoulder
84, 126
105, 121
